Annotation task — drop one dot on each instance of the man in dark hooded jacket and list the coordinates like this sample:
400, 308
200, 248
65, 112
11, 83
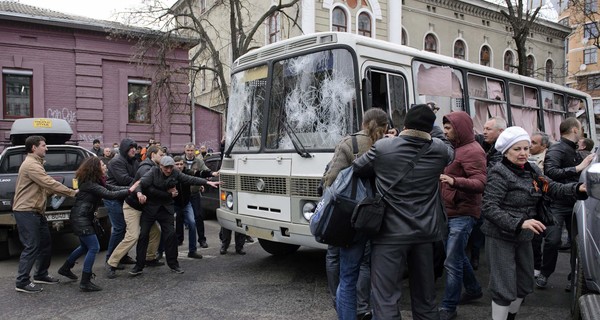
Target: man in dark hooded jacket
462, 184
121, 171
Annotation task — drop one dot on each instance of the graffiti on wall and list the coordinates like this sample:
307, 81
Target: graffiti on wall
88, 137
66, 114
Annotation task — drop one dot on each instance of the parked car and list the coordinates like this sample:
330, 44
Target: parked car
585, 254
210, 196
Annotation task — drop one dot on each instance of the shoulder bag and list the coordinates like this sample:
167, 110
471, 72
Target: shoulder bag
368, 214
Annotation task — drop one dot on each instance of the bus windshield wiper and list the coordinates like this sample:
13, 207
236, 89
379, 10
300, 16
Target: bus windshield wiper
297, 144
237, 137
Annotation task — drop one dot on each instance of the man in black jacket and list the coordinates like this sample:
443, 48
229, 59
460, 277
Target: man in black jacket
562, 164
159, 184
121, 171
414, 218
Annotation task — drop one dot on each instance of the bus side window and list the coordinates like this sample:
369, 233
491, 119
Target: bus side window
388, 92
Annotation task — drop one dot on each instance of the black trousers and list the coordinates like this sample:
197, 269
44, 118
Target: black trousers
388, 263
225, 236
167, 227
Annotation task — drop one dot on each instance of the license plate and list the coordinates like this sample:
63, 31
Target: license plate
58, 216
259, 233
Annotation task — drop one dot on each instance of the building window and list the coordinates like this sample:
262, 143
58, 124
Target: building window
339, 21
593, 83
274, 28
509, 61
530, 66
138, 101
590, 56
430, 43
17, 94
202, 6
549, 71
203, 79
590, 6
404, 40
484, 56
459, 49
364, 25
590, 30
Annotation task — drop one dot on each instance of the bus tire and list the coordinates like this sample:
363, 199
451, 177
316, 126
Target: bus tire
277, 248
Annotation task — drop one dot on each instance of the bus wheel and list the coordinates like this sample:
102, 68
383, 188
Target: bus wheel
278, 248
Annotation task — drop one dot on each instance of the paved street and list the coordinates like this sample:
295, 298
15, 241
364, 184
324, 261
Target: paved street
254, 286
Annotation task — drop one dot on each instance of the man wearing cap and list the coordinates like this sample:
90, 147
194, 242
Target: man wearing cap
159, 184
564, 165
96, 148
414, 218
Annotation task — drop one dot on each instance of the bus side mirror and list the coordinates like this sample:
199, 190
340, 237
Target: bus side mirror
592, 180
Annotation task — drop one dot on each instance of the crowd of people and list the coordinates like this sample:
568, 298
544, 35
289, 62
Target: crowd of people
142, 190
467, 192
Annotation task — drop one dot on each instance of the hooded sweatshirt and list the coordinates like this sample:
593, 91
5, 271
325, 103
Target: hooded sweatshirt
468, 169
122, 169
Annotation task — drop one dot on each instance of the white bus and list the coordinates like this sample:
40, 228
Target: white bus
292, 101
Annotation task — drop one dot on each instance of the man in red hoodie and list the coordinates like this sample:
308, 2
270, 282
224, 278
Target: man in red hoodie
462, 185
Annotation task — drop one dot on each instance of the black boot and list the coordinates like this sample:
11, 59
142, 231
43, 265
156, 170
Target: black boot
65, 270
86, 284
511, 316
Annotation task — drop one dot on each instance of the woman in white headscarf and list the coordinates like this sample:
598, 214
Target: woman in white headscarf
512, 195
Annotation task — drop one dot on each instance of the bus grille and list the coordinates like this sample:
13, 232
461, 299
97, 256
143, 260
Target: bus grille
228, 182
304, 187
272, 185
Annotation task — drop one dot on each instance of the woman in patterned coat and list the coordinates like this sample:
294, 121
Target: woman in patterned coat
510, 203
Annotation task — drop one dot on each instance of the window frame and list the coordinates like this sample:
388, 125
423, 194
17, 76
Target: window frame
364, 32
590, 30
590, 55
337, 27
549, 71
510, 66
5, 99
139, 82
489, 56
274, 22
464, 48
427, 44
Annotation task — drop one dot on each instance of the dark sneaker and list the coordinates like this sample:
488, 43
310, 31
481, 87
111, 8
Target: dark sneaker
46, 280
111, 272
240, 251
30, 288
159, 256
154, 263
127, 260
194, 255
203, 244
467, 298
223, 250
447, 314
541, 281
364, 316
177, 270
136, 271
66, 272
568, 287
249, 239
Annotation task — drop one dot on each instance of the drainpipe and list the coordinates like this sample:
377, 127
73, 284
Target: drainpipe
193, 108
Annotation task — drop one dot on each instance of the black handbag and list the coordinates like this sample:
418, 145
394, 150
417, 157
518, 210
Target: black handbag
544, 213
367, 216
98, 229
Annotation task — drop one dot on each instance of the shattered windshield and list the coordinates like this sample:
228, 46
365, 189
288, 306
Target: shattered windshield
314, 96
244, 113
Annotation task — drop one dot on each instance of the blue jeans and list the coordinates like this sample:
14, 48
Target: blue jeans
35, 237
89, 246
458, 267
351, 263
195, 200
188, 218
117, 220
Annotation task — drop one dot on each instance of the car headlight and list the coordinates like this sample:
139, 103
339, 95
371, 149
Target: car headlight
229, 201
308, 209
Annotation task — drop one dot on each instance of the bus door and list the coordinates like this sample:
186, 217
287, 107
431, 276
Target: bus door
386, 90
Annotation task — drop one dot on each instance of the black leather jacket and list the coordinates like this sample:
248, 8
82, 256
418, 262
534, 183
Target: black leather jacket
559, 165
415, 212
87, 201
155, 184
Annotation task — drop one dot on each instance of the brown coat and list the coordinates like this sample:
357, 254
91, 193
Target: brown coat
34, 185
344, 156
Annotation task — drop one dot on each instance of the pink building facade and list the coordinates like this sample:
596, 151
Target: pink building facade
78, 74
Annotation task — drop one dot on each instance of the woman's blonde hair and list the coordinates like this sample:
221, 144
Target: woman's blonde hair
375, 123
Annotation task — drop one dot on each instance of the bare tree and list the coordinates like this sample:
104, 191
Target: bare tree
186, 19
585, 16
521, 19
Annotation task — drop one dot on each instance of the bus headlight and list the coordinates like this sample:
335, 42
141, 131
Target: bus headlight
229, 201
308, 209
